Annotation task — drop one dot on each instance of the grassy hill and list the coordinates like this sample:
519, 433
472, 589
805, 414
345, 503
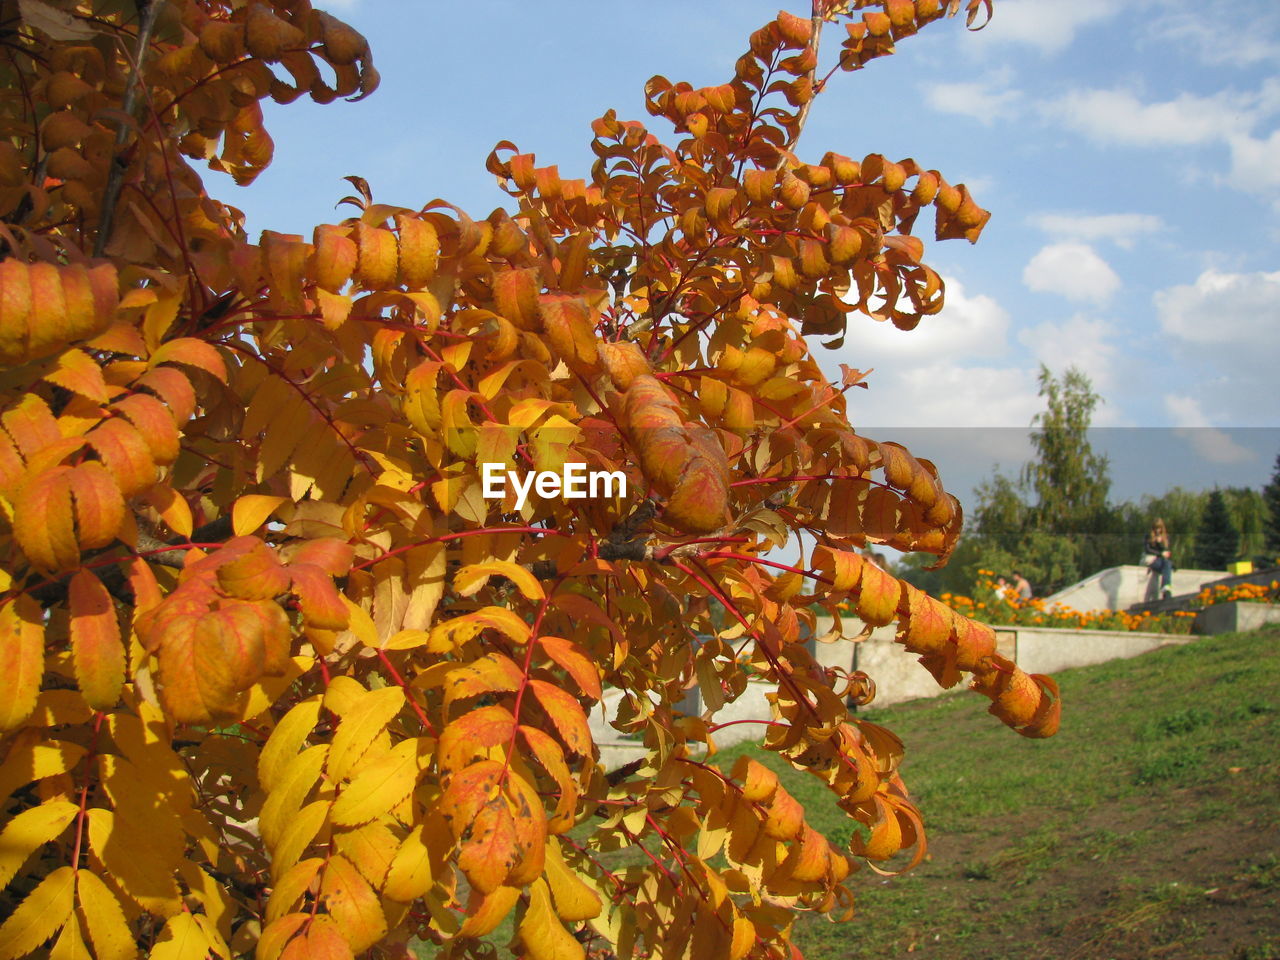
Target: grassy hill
1149, 827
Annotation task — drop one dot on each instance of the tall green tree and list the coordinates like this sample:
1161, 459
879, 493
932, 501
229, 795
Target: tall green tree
1070, 481
1047, 521
1271, 524
1217, 539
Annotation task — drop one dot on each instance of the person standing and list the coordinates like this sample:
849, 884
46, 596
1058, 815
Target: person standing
1157, 556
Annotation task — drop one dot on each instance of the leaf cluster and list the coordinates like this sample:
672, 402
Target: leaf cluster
278, 678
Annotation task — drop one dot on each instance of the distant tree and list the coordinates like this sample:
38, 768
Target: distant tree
1069, 480
1217, 540
1271, 523
1248, 515
1053, 520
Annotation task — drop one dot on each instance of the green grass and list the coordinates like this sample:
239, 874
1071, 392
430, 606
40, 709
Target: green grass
1119, 837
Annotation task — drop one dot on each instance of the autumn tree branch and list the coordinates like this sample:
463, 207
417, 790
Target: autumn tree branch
148, 10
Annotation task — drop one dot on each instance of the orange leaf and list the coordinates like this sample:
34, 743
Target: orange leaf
330, 554
320, 940
125, 454
473, 733
76, 371
488, 849
516, 295
42, 521
492, 673
154, 422
566, 716
569, 329
573, 658
256, 574
486, 911
758, 782
467, 792
173, 387
96, 649
878, 594
99, 504
319, 599
419, 250
191, 353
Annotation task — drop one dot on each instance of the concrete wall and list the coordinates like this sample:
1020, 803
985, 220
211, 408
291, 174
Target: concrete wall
1048, 650
1118, 588
897, 674
1231, 617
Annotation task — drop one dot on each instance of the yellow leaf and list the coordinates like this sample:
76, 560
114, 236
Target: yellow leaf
360, 623
485, 912
451, 634
382, 784
158, 319
407, 640
126, 853
360, 725
541, 932
40, 915
21, 661
411, 875
353, 904
173, 509
251, 511
70, 944
181, 939
574, 900
28, 831
31, 758
108, 931
285, 741
471, 578
292, 885
283, 803
298, 836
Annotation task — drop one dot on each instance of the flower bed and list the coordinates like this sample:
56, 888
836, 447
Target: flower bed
1003, 607
1246, 592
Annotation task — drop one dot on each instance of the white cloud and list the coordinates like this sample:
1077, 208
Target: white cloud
1228, 118
1049, 25
1119, 228
1225, 327
1209, 442
948, 394
1073, 270
1081, 342
1231, 41
968, 326
984, 100
1255, 163
1119, 117
920, 376
1242, 309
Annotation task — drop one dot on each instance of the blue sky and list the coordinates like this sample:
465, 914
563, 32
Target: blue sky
1129, 153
